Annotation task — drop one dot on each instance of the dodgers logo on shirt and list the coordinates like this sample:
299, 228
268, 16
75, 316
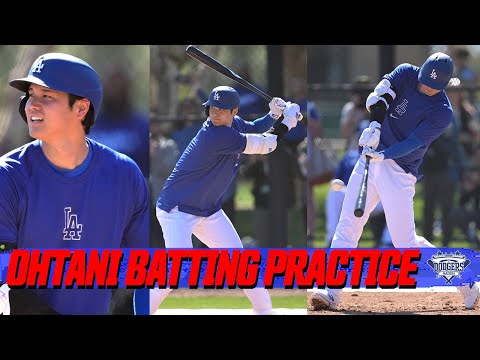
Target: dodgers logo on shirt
402, 108
72, 229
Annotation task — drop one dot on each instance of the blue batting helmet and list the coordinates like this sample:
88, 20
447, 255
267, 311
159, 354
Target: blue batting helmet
65, 73
223, 97
437, 71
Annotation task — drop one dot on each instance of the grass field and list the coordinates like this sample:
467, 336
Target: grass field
230, 302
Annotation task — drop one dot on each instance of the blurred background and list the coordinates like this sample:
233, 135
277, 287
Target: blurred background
123, 122
266, 202
447, 200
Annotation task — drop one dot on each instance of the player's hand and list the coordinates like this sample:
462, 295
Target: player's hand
4, 300
375, 156
277, 106
291, 115
370, 136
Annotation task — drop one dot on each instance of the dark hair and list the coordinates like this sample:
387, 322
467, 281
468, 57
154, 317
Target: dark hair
89, 119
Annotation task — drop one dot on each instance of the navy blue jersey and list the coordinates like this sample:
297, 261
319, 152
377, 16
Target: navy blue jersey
206, 168
106, 206
413, 113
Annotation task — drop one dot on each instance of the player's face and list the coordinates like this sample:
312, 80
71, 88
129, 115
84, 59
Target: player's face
48, 114
424, 89
221, 117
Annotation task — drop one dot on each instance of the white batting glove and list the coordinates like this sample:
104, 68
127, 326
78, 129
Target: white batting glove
370, 136
291, 115
375, 156
277, 106
382, 88
4, 300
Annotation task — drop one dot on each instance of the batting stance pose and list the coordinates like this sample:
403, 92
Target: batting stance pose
191, 199
411, 110
64, 190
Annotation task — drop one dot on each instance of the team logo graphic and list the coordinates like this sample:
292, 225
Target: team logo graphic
216, 96
433, 75
72, 229
448, 266
38, 66
402, 108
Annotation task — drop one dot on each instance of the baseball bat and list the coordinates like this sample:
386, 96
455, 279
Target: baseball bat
362, 194
222, 69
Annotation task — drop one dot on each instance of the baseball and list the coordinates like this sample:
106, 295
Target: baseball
337, 184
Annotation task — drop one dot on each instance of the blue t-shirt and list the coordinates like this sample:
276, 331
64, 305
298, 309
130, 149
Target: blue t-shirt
413, 114
206, 168
106, 205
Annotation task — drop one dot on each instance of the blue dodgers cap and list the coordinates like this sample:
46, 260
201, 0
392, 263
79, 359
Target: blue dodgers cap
65, 73
437, 71
223, 97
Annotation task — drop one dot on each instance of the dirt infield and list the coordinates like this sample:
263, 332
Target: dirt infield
367, 303
399, 303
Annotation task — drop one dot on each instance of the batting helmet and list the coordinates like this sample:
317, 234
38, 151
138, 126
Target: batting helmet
437, 71
65, 73
223, 97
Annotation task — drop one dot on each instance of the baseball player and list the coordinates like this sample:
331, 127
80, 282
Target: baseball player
336, 195
411, 110
64, 190
190, 201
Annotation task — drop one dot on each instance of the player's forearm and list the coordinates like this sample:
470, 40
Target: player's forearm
262, 124
403, 148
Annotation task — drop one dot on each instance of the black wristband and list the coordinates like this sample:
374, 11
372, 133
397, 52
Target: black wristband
278, 129
378, 111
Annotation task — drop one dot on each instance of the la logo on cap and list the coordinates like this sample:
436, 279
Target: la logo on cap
38, 66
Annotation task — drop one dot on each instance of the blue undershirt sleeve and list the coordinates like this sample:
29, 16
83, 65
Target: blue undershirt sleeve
403, 148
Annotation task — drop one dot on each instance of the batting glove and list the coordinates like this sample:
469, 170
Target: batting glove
375, 156
370, 136
277, 106
4, 300
291, 115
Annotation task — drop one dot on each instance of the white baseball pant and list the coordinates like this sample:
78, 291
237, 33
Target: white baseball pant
333, 209
387, 182
215, 231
